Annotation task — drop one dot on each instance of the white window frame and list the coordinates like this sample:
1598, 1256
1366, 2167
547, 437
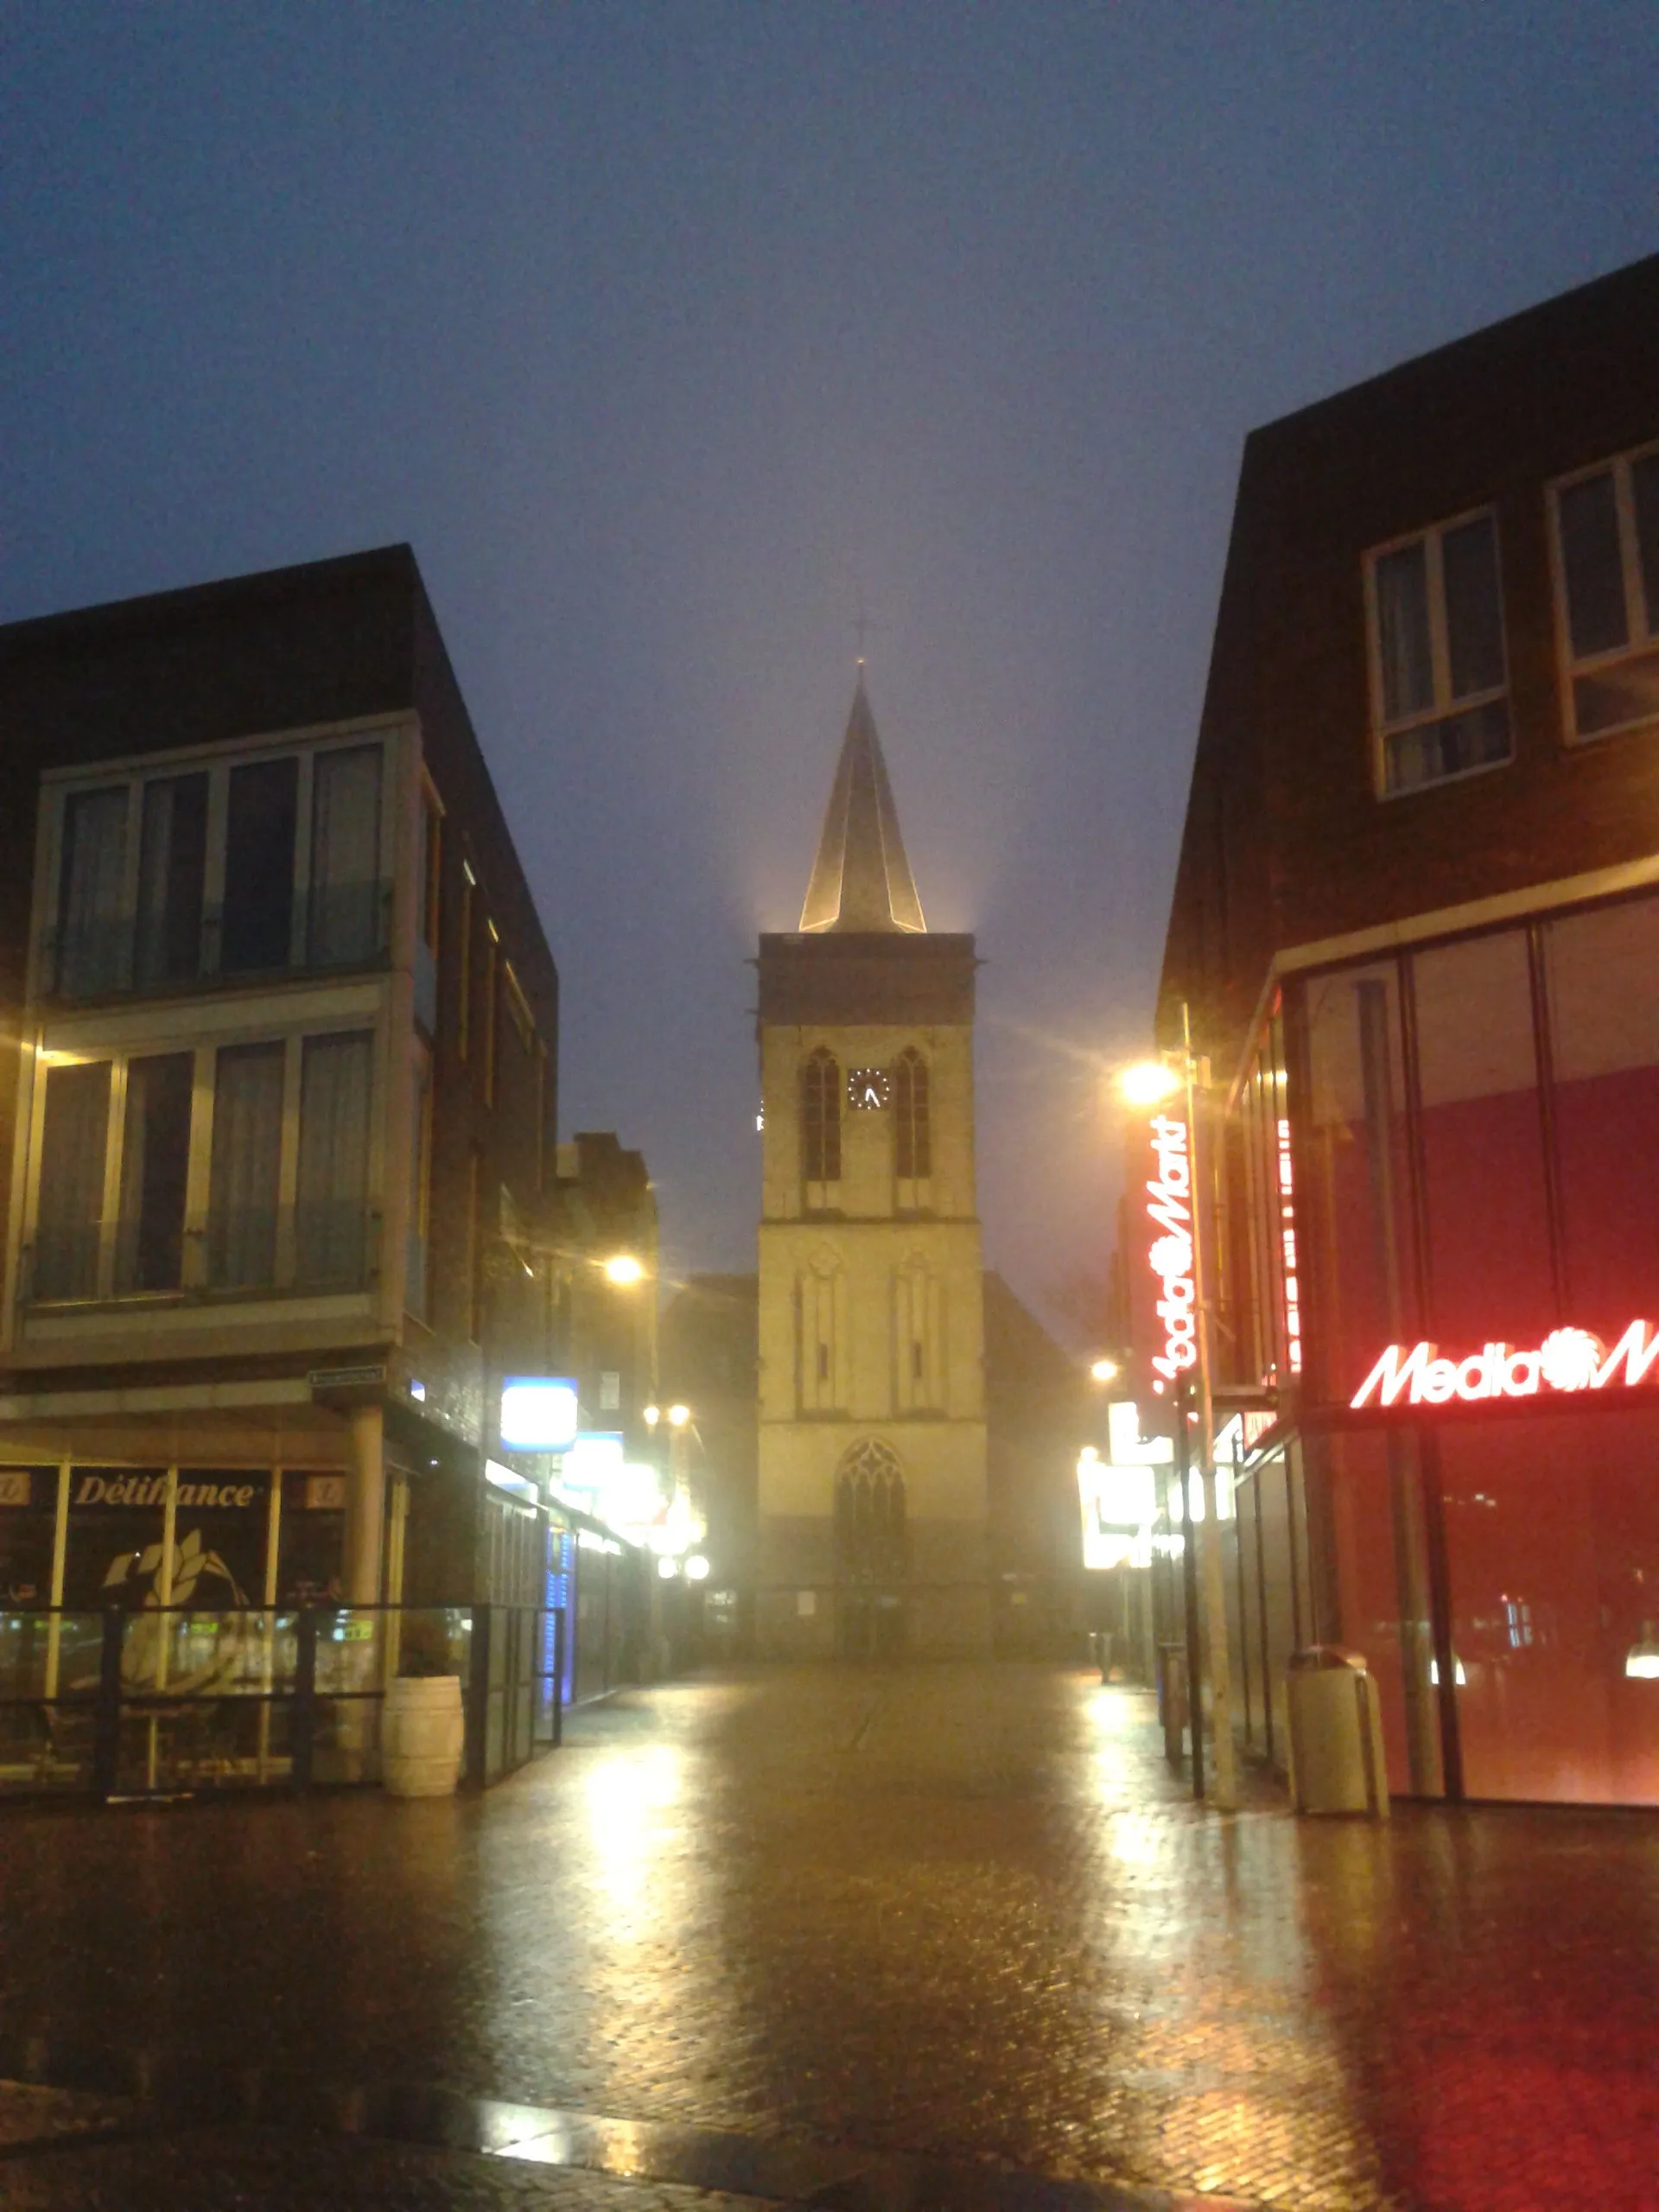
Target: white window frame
217, 762
1439, 650
1640, 638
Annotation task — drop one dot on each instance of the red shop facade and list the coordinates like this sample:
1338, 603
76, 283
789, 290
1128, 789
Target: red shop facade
1436, 1189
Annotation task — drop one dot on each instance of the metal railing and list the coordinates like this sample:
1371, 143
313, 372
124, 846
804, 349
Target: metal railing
107, 955
237, 1252
154, 1701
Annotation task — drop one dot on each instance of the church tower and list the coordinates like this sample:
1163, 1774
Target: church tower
872, 1384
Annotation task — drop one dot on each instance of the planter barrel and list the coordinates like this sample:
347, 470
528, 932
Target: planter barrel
423, 1731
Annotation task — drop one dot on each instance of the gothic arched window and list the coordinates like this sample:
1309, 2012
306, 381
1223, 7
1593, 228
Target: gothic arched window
913, 1131
821, 1119
872, 1540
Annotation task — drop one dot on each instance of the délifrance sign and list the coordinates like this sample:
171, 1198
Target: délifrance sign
1568, 1360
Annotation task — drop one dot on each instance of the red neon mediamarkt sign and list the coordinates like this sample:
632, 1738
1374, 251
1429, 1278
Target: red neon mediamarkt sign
1169, 1207
1568, 1360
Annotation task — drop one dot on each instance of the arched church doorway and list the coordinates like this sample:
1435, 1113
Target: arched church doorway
872, 1553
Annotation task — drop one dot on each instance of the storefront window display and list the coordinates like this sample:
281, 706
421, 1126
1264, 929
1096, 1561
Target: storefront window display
28, 1509
311, 1539
1379, 1535
1268, 1588
1358, 1241
1602, 974
1480, 1141
1553, 1534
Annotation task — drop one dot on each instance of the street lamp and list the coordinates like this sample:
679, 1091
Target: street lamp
1104, 1370
624, 1271
1149, 1084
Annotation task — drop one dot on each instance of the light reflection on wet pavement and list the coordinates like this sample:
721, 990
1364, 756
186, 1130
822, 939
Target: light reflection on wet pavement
947, 1913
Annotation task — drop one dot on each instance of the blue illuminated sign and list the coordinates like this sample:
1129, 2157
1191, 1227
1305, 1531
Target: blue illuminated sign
538, 1413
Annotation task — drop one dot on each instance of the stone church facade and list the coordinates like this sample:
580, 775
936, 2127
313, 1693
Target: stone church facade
872, 1493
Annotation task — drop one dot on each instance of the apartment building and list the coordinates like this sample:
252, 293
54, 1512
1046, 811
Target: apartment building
278, 1068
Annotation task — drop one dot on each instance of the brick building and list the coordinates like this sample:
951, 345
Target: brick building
278, 1087
1416, 921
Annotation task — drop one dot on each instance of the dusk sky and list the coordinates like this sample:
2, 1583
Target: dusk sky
663, 333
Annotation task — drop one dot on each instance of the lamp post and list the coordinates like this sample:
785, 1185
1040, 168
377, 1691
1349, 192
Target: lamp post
1182, 1071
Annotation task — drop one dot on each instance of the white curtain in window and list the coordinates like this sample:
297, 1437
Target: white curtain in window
70, 1208
345, 855
1407, 669
170, 864
93, 944
330, 1226
247, 1168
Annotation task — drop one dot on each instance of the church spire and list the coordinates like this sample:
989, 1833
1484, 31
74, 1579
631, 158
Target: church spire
860, 879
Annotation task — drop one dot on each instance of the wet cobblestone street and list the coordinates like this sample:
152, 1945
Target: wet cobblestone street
955, 1914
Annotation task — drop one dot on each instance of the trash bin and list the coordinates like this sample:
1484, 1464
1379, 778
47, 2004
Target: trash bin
1336, 1733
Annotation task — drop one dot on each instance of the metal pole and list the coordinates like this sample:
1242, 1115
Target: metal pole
1189, 1586
1224, 1793
1243, 1617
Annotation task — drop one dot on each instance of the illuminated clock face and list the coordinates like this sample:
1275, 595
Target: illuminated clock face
869, 1090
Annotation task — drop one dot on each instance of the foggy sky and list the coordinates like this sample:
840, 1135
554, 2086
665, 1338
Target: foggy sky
663, 332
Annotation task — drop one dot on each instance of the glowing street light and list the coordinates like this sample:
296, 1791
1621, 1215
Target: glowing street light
652, 1416
1148, 1082
678, 1416
624, 1271
1104, 1370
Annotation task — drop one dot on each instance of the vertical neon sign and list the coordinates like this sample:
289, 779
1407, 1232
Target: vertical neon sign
1287, 1245
1170, 1208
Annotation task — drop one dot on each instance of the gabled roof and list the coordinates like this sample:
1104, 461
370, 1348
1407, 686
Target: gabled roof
860, 879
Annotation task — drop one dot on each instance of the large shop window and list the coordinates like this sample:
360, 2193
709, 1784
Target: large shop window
1482, 1143
1357, 1194
215, 886
1603, 971
1378, 1520
1437, 655
1553, 1536
1607, 532
1527, 1148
